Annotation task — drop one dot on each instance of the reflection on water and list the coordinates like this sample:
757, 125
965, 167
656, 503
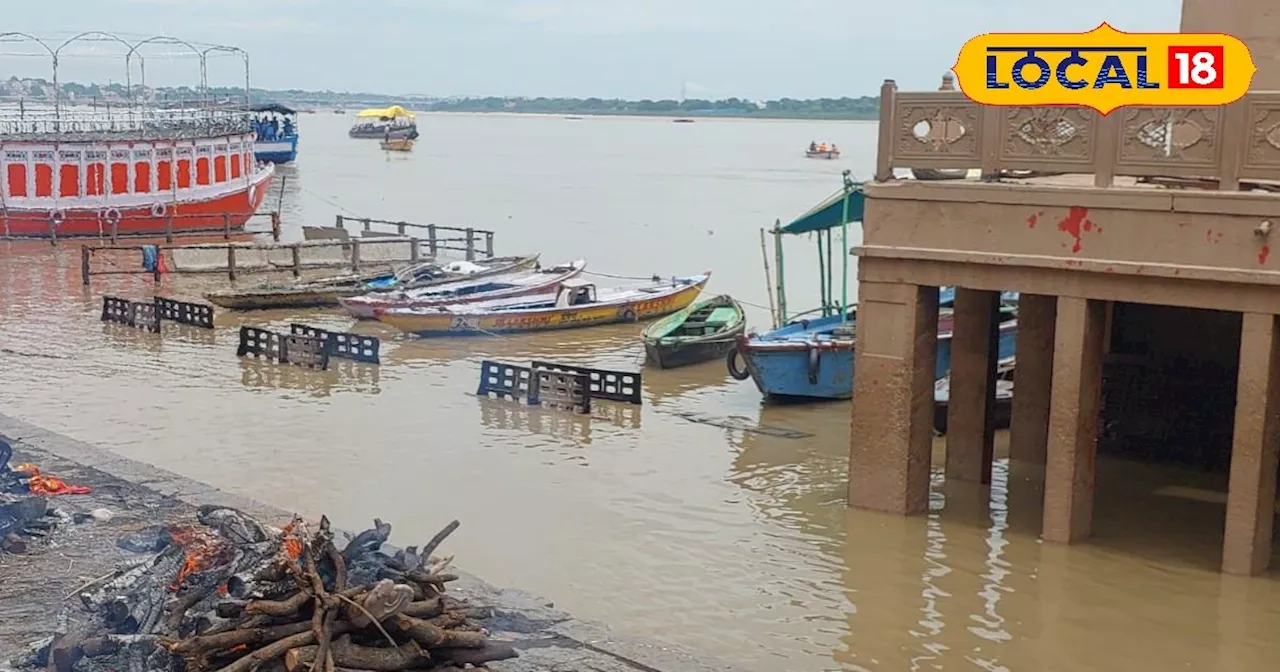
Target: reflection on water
730, 539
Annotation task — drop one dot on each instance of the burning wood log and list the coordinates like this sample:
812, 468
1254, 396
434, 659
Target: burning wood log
235, 595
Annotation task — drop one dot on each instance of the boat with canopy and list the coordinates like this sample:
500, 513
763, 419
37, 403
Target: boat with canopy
385, 123
810, 355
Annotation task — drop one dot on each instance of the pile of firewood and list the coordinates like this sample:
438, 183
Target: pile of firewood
234, 595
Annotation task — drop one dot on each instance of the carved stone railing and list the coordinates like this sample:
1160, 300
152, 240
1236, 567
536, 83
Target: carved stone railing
1219, 146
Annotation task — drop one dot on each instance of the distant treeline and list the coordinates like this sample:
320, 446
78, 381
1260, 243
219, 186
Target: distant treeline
785, 108
865, 107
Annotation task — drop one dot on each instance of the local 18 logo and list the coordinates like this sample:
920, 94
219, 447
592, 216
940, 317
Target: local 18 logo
1104, 69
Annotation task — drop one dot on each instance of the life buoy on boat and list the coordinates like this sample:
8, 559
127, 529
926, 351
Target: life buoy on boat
112, 216
158, 210
628, 315
815, 357
732, 362
57, 217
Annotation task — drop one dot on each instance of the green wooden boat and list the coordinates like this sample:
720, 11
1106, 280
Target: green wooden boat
705, 331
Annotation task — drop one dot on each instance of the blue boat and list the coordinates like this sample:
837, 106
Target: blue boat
813, 359
809, 359
276, 128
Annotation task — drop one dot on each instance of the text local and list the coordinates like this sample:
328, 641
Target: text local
1112, 71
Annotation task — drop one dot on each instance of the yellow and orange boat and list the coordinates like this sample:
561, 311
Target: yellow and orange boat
578, 303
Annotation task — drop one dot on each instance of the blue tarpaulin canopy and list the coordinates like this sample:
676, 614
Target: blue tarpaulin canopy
829, 213
273, 107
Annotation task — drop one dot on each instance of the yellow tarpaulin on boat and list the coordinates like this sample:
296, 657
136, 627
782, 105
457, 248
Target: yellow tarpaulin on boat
387, 112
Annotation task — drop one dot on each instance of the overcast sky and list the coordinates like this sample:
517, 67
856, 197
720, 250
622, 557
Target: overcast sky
607, 48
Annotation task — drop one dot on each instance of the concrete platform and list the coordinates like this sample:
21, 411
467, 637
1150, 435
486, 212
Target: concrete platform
139, 494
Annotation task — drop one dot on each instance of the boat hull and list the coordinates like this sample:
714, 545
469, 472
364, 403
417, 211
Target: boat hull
399, 133
218, 213
550, 319
824, 370
329, 294
363, 308
822, 155
685, 354
278, 151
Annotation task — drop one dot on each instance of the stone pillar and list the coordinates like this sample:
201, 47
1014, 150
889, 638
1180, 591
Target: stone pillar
1257, 22
1246, 546
971, 410
892, 426
1073, 419
1033, 378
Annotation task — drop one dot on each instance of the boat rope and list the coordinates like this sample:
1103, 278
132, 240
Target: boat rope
326, 200
653, 278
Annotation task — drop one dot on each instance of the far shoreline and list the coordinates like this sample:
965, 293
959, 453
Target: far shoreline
637, 115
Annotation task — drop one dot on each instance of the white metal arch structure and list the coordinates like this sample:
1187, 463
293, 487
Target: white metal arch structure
204, 71
90, 36
165, 39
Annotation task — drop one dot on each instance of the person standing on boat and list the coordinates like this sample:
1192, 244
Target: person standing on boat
813, 146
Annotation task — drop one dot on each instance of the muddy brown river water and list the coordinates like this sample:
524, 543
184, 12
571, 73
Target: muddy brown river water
735, 543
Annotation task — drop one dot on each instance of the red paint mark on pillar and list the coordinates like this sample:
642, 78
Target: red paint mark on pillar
1208, 235
1077, 219
1263, 254
1033, 220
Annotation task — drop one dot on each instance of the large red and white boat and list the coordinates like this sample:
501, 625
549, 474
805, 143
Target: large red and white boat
130, 166
85, 173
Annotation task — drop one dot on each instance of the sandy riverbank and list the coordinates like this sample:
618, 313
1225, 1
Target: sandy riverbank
33, 586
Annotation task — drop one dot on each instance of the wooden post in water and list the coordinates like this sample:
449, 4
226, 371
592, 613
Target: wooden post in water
231, 262
115, 233
226, 225
431, 240
84, 264
471, 244
168, 228
275, 226
415, 250
355, 255
297, 260
53, 233
400, 228
368, 226
488, 244
337, 222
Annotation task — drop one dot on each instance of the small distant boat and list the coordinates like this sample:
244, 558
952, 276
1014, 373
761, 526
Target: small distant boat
577, 304
822, 152
326, 292
523, 282
707, 330
682, 120
397, 144
308, 110
339, 111
1003, 400
573, 117
393, 122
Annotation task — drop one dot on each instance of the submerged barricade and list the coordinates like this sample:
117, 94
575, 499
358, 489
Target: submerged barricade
557, 386
148, 315
307, 346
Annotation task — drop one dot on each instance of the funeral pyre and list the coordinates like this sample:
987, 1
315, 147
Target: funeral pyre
235, 595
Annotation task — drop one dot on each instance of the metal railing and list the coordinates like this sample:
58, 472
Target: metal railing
945, 134
435, 242
131, 122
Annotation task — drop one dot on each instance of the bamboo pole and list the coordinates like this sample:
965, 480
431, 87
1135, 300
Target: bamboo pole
845, 252
822, 278
781, 273
768, 277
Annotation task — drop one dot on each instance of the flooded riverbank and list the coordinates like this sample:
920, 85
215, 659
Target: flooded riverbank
733, 543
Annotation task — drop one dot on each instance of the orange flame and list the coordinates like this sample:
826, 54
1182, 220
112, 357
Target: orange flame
201, 549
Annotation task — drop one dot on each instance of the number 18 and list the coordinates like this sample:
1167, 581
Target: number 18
1195, 67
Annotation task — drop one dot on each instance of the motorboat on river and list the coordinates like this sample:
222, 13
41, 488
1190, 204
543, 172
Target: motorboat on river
276, 133
385, 123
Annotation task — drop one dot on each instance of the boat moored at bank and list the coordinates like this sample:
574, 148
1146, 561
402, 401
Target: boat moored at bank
137, 168
577, 303
516, 283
